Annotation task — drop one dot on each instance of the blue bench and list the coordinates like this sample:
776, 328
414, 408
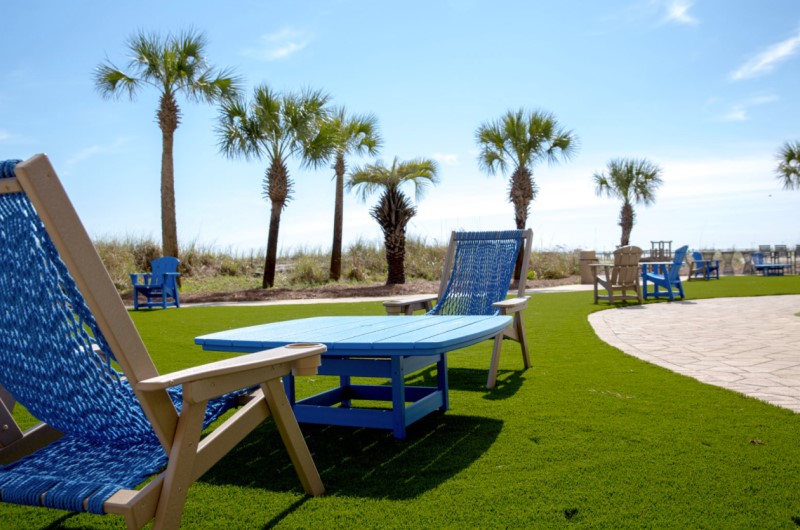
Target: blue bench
768, 269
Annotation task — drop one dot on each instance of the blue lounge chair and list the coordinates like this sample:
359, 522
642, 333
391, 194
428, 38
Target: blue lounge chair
703, 268
666, 277
475, 280
159, 287
64, 332
768, 269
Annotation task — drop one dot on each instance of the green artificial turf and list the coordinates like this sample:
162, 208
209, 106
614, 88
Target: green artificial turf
587, 437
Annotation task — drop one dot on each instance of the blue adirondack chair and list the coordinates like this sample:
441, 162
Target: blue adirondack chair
475, 280
703, 268
667, 277
64, 333
159, 287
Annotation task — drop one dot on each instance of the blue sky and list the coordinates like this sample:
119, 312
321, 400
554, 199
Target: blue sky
705, 89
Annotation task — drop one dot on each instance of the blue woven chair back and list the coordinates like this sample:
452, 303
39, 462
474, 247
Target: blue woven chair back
677, 260
53, 357
481, 274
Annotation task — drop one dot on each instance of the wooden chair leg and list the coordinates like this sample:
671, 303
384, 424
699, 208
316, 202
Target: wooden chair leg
292, 437
178, 476
523, 340
495, 362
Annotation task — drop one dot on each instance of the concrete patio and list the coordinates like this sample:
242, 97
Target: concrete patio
749, 345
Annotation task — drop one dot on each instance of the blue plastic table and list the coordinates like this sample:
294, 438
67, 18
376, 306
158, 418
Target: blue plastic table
373, 346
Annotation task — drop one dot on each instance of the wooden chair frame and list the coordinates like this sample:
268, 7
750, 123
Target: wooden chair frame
623, 276
180, 435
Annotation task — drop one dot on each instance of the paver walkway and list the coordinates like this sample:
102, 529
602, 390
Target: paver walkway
750, 345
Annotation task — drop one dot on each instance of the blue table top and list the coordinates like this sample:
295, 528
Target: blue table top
365, 336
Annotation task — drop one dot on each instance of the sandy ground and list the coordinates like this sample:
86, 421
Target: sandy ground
343, 291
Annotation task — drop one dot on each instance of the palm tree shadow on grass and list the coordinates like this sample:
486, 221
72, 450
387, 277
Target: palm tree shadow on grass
361, 462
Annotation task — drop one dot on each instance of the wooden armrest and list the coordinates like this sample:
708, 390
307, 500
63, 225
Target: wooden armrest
594, 266
414, 300
409, 305
512, 305
240, 364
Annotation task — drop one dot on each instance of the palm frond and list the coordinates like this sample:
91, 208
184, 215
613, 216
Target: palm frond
235, 131
112, 82
788, 169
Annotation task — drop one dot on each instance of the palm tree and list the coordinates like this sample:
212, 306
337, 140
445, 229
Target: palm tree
276, 127
352, 135
394, 209
174, 64
632, 181
518, 141
788, 169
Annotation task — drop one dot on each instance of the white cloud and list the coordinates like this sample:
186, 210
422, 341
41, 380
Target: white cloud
4, 135
93, 150
446, 158
761, 100
279, 45
678, 11
708, 177
766, 61
84, 154
738, 112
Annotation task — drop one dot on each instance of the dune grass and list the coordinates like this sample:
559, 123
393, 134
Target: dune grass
587, 437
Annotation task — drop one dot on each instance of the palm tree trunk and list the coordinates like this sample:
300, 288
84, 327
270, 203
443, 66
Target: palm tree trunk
277, 188
393, 212
626, 220
395, 243
272, 246
168, 120
338, 214
520, 194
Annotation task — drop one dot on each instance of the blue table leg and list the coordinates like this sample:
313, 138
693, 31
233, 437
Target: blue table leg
288, 386
344, 384
398, 397
441, 377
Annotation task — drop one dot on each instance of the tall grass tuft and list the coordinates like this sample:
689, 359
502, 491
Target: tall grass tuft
125, 255
553, 264
424, 260
364, 261
206, 268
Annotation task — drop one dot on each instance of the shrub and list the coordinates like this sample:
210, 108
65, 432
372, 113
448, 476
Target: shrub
553, 264
307, 269
362, 261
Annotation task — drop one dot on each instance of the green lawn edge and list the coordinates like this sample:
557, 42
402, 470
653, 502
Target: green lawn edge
587, 437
